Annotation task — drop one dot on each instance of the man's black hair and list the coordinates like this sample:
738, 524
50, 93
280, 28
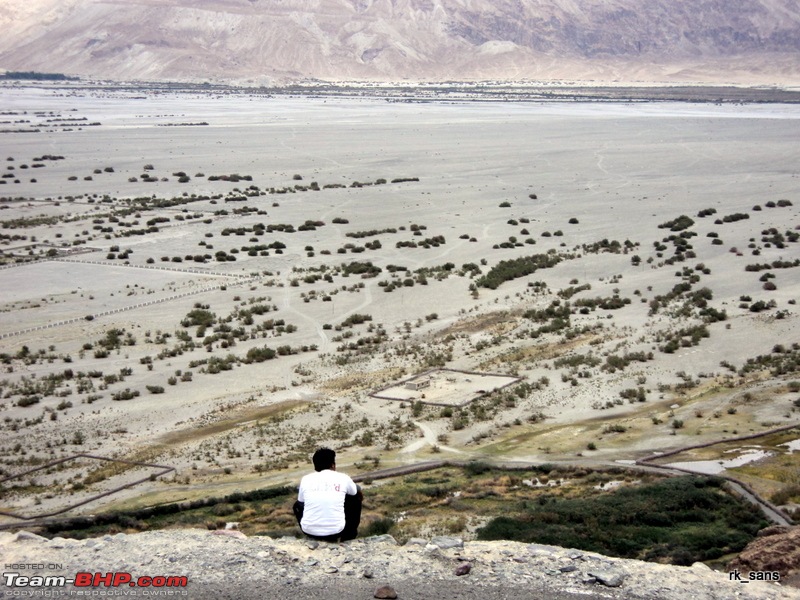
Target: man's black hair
324, 458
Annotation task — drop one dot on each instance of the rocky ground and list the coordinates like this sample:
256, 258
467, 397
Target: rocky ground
226, 564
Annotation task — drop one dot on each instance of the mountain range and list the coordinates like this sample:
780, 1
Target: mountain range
268, 41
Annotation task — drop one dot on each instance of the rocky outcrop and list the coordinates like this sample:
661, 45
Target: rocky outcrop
265, 40
775, 549
230, 565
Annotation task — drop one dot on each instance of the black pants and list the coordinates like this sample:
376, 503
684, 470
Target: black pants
352, 518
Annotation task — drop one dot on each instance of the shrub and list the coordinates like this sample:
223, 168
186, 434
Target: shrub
28, 400
380, 526
678, 224
615, 428
223, 510
786, 494
658, 522
257, 355
474, 468
506, 270
125, 394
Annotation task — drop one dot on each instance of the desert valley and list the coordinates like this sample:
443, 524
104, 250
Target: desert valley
211, 284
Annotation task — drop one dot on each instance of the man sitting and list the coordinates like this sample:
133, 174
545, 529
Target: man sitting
328, 505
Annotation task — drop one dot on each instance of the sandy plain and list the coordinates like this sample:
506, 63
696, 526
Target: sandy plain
571, 175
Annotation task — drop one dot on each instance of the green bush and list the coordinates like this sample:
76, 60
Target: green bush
379, 527
787, 494
259, 355
476, 467
679, 520
506, 270
679, 224
28, 400
223, 510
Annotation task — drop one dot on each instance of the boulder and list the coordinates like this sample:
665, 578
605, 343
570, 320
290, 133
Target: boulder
775, 549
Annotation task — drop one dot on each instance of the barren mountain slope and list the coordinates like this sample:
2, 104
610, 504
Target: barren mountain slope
755, 40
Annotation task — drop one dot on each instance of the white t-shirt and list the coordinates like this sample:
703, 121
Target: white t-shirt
323, 494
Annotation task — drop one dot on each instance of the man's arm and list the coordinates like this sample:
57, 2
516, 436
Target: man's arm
352, 489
